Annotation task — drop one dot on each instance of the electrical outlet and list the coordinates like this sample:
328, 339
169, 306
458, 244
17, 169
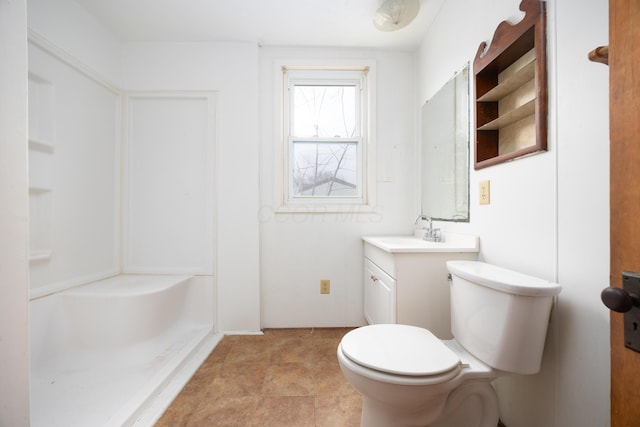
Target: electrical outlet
325, 286
485, 192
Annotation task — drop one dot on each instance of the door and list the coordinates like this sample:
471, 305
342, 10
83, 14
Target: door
624, 104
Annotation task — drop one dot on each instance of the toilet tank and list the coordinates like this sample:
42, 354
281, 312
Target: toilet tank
500, 316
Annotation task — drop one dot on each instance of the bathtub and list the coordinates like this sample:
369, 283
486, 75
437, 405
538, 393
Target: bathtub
115, 352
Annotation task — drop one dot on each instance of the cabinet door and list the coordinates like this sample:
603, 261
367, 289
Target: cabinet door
370, 291
379, 295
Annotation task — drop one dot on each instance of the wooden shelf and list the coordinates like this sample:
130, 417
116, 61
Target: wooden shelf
511, 117
522, 76
511, 89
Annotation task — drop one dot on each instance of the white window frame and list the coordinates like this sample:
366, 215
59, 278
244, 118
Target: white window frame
363, 75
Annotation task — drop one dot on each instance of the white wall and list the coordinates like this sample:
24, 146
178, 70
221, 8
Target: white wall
582, 100
298, 250
14, 273
540, 216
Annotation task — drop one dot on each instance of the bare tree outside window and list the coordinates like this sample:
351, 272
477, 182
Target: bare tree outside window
325, 169
325, 140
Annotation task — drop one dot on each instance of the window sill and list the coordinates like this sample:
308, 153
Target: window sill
327, 209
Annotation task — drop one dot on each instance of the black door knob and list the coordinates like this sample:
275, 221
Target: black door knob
618, 299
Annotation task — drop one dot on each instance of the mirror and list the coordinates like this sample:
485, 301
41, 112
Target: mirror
445, 151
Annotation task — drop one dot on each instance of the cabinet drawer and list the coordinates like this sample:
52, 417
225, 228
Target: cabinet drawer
382, 259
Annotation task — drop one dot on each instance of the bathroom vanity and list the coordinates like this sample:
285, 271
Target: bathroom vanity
405, 279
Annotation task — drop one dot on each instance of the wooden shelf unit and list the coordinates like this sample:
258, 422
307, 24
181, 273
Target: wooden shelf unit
511, 95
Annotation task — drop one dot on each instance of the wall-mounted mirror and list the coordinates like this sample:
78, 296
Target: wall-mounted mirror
445, 151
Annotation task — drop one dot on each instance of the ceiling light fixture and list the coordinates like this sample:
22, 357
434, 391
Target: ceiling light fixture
396, 14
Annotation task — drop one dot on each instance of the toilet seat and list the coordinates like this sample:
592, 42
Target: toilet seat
399, 350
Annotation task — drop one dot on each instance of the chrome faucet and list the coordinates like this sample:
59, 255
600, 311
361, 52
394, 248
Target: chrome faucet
422, 217
430, 234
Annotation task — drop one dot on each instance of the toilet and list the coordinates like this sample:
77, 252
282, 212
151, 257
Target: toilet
409, 377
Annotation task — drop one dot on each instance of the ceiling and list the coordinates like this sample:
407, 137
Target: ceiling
333, 23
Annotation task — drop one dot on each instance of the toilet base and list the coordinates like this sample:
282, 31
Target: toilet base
474, 404
375, 414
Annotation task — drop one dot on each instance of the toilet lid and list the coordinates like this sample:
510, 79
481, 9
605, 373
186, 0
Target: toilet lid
399, 349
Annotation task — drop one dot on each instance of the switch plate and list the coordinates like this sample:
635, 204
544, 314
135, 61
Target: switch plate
325, 286
485, 192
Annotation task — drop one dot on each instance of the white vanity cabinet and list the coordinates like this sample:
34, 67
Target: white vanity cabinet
406, 281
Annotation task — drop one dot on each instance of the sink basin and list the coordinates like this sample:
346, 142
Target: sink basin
452, 242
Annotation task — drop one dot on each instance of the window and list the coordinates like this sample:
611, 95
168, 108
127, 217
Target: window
325, 138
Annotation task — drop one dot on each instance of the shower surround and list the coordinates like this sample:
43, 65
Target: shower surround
122, 285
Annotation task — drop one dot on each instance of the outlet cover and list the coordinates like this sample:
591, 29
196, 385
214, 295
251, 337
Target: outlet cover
485, 192
325, 286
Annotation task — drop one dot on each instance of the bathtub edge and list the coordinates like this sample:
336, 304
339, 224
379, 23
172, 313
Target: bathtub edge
155, 406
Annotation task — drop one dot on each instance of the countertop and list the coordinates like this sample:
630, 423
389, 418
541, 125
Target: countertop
452, 242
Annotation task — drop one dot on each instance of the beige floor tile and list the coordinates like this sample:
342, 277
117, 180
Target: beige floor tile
291, 350
225, 412
325, 349
334, 411
243, 369
237, 386
285, 411
329, 380
249, 352
289, 379
286, 377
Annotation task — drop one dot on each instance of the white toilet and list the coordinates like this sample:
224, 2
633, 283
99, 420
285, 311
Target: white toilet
409, 377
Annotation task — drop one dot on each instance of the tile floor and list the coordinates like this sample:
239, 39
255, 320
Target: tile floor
286, 377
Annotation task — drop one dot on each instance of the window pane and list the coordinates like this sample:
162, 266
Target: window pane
325, 169
324, 111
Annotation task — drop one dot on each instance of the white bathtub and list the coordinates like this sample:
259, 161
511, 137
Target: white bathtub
116, 351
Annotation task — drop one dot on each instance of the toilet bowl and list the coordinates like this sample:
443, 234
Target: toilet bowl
409, 377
